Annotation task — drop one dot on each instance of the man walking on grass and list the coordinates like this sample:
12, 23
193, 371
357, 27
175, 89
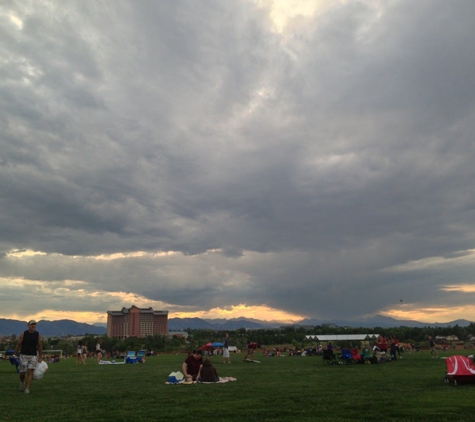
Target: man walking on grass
31, 353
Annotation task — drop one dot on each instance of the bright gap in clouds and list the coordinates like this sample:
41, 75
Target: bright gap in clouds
441, 314
457, 258
17, 21
465, 288
79, 292
263, 313
17, 253
281, 12
75, 294
433, 314
82, 317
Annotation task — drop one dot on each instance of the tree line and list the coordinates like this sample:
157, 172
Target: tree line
294, 336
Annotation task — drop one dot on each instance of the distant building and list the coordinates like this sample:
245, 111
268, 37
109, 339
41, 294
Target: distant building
136, 322
182, 334
446, 339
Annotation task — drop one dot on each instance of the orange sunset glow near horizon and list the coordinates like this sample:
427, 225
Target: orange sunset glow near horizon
261, 313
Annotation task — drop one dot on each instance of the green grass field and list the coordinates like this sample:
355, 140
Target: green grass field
277, 389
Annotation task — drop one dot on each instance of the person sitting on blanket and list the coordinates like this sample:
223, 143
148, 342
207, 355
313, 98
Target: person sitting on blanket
191, 366
208, 372
251, 347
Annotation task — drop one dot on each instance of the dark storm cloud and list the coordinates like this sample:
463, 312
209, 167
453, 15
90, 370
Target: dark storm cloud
312, 160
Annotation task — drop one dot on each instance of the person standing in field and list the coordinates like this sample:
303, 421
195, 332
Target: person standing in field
98, 351
433, 348
395, 341
84, 354
79, 353
392, 350
31, 353
226, 349
383, 344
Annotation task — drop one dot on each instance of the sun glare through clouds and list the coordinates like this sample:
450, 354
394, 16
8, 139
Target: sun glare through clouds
281, 12
263, 313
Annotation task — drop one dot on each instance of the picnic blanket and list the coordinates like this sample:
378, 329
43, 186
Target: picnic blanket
221, 381
108, 362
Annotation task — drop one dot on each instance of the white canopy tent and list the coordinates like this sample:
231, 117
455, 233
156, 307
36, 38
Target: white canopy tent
342, 337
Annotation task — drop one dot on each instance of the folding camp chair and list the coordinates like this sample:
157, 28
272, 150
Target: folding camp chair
346, 356
366, 356
140, 356
131, 357
356, 356
329, 357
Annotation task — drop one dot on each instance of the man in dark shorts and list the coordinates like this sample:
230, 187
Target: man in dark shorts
191, 366
31, 353
251, 348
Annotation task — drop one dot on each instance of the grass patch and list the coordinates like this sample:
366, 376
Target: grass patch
278, 389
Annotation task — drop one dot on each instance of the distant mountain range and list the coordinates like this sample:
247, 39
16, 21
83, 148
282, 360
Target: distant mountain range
66, 327
249, 323
177, 324
60, 328
386, 322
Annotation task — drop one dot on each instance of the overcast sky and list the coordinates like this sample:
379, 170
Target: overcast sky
269, 159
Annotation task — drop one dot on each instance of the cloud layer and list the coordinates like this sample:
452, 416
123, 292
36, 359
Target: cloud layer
202, 155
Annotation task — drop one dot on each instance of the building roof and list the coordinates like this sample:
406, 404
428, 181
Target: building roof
341, 337
141, 310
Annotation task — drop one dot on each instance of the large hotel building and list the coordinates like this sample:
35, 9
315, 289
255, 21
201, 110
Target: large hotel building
136, 322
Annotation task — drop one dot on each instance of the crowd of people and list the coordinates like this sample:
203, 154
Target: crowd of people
195, 369
29, 348
82, 353
383, 350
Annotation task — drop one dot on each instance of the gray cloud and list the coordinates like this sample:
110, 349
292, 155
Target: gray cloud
308, 161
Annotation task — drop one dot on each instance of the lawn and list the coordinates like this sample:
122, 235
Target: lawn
277, 389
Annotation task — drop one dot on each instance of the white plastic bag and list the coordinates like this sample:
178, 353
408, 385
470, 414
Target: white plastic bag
40, 370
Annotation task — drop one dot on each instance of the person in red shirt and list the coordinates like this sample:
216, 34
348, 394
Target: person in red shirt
251, 348
191, 366
383, 344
